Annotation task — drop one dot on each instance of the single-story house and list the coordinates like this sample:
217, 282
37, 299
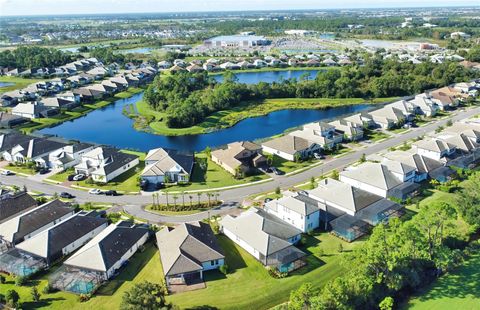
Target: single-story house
239, 157
32, 222
8, 120
187, 251
168, 166
109, 250
290, 147
34, 110
105, 163
296, 210
59, 103
13, 203
267, 238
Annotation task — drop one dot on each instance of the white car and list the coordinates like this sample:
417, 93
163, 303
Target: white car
95, 191
318, 156
7, 172
79, 177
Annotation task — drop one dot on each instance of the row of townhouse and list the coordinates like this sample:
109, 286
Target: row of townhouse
102, 164
60, 71
37, 238
364, 195
319, 136
81, 90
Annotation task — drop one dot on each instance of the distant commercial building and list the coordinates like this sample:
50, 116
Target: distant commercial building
236, 41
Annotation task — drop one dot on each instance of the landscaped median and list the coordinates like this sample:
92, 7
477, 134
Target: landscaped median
155, 121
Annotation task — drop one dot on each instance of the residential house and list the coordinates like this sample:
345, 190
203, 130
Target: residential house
68, 156
108, 251
100, 72
194, 68
32, 222
168, 166
59, 103
34, 110
377, 179
12, 204
349, 130
426, 105
387, 117
362, 119
8, 120
239, 157
187, 251
70, 96
104, 164
11, 139
267, 238
434, 148
295, 210
13, 97
291, 147
36, 150
165, 64
64, 237
329, 62
445, 97
408, 109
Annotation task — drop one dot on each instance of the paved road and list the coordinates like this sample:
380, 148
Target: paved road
133, 203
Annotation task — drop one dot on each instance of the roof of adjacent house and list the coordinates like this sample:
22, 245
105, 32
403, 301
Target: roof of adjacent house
18, 227
39, 146
6, 117
292, 203
398, 167
264, 232
374, 174
113, 159
13, 204
310, 135
388, 113
421, 163
108, 247
288, 144
11, 139
32, 108
54, 239
229, 154
186, 247
55, 102
331, 191
434, 145
166, 159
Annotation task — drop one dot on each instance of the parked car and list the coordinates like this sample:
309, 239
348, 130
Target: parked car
95, 191
143, 184
7, 172
267, 200
66, 195
111, 193
79, 177
268, 170
318, 156
303, 193
44, 171
71, 177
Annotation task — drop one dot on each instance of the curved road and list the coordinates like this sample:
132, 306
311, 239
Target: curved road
235, 196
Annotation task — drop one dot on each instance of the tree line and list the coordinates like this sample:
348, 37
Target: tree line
401, 256
188, 98
34, 57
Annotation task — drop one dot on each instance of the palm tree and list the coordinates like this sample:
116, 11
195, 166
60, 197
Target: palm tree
208, 196
217, 194
166, 196
198, 196
190, 197
175, 197
154, 195
183, 199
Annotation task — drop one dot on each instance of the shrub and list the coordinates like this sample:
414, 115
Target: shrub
12, 298
84, 297
340, 248
275, 273
224, 269
2, 279
20, 281
35, 294
48, 289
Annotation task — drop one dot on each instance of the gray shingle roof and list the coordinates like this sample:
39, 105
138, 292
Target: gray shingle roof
15, 203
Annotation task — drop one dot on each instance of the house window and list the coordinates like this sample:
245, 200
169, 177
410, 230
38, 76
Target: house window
308, 217
212, 263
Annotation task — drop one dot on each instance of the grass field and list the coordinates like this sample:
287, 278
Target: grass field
248, 285
228, 118
457, 290
18, 83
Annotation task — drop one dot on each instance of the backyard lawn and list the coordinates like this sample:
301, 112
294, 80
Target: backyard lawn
457, 290
248, 284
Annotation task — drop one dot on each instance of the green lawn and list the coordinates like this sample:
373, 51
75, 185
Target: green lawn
212, 177
289, 166
142, 266
374, 135
248, 285
457, 290
18, 83
20, 169
228, 118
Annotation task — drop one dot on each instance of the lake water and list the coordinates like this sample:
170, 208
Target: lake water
109, 126
270, 76
138, 50
5, 84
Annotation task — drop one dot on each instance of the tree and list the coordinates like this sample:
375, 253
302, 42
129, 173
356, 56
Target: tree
145, 296
363, 158
300, 298
335, 175
35, 294
340, 248
277, 190
12, 298
198, 198
386, 304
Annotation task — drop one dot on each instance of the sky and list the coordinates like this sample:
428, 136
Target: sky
55, 7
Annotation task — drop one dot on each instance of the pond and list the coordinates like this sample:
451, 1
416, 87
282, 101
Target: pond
270, 76
109, 126
138, 50
5, 84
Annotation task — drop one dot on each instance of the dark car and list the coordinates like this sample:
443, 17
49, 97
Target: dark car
111, 193
70, 177
44, 171
267, 200
143, 184
268, 170
66, 195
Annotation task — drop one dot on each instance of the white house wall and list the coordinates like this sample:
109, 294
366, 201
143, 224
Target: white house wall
366, 187
83, 240
241, 243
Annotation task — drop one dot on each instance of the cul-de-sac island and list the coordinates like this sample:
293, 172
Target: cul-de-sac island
250, 155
